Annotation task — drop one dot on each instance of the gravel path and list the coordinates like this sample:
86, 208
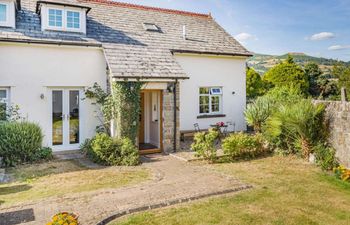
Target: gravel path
174, 181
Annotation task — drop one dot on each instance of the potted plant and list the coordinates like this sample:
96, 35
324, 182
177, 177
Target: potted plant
64, 218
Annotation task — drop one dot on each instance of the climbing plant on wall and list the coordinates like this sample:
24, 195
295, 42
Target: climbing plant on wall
106, 103
126, 96
122, 106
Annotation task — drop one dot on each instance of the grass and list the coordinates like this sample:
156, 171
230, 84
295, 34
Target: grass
286, 190
58, 178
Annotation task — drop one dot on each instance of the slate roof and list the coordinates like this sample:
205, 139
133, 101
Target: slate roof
130, 50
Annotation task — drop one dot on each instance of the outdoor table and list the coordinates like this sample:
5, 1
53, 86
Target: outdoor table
218, 128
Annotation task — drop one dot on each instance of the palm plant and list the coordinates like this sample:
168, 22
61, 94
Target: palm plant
300, 125
258, 112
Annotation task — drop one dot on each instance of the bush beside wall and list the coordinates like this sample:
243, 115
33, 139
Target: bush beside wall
241, 145
106, 150
21, 142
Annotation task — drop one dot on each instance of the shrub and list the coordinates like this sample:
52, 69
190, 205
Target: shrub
43, 153
299, 126
87, 150
21, 142
325, 156
258, 112
111, 151
263, 107
204, 145
129, 154
241, 145
341, 172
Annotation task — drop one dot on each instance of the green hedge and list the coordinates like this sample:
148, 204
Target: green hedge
106, 150
21, 142
241, 145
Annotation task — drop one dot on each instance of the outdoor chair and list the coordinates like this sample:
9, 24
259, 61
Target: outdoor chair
196, 128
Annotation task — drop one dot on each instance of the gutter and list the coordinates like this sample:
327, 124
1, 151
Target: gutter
149, 78
173, 51
38, 4
175, 115
63, 43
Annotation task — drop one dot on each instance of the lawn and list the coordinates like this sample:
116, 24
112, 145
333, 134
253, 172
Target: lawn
58, 178
286, 190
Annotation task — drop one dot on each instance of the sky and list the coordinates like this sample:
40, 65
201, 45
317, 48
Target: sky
315, 27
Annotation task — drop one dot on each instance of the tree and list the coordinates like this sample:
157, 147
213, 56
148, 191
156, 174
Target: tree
255, 85
320, 85
288, 73
342, 73
313, 72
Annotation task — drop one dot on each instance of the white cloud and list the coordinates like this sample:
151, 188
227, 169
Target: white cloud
242, 37
321, 36
338, 47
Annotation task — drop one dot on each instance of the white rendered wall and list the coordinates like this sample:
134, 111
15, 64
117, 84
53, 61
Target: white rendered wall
31, 70
203, 71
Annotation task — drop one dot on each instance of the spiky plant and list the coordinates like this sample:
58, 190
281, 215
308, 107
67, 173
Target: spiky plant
258, 112
298, 125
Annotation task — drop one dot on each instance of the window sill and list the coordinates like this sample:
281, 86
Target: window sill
211, 116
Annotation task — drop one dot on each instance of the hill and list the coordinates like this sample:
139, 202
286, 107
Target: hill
261, 63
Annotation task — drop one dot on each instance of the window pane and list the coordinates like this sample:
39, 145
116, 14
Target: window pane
3, 94
3, 12
203, 90
204, 104
73, 117
204, 100
73, 19
2, 111
216, 91
204, 109
55, 17
215, 104
57, 117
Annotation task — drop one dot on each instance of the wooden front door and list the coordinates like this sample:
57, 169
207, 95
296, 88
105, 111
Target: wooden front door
142, 120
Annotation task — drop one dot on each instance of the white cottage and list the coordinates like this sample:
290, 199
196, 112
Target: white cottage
50, 51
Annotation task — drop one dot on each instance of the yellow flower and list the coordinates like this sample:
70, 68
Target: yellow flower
70, 217
49, 223
61, 222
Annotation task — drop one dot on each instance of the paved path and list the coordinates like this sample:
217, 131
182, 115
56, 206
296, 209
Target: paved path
174, 181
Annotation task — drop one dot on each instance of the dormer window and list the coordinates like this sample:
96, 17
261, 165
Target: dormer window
7, 13
61, 17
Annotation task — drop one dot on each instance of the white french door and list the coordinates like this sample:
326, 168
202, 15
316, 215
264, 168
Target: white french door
65, 115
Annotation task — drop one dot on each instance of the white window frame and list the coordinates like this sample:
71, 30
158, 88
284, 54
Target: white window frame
45, 19
48, 21
10, 14
7, 99
66, 20
210, 95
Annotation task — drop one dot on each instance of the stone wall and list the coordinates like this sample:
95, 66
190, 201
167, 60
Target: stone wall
338, 114
168, 120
